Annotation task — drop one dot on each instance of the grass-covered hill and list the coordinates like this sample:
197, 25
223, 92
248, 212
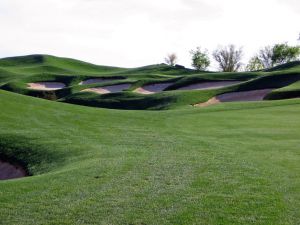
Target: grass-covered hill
235, 163
232, 163
17, 72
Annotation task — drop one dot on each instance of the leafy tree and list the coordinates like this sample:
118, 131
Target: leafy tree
254, 64
277, 54
228, 58
171, 59
283, 53
200, 59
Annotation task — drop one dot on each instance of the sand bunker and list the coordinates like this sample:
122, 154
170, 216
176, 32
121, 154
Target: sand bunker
152, 88
46, 86
255, 95
109, 89
10, 171
209, 85
95, 80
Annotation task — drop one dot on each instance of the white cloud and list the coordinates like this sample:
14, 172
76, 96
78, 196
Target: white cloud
139, 32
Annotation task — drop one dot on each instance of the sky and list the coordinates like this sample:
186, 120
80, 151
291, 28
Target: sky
131, 33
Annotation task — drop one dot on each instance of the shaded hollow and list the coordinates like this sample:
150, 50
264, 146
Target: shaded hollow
10, 170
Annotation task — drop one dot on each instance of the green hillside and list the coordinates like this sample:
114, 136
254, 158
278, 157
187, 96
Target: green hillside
17, 72
229, 163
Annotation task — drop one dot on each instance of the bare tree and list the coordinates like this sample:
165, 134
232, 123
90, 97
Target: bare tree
278, 54
228, 58
265, 55
171, 59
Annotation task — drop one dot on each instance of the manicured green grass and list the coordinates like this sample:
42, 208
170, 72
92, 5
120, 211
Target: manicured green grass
235, 163
32, 64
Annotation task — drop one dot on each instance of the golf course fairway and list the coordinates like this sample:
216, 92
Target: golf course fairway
233, 163
187, 150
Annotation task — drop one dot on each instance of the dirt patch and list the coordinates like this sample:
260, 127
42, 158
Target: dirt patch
255, 95
109, 89
209, 85
46, 86
95, 80
11, 171
152, 88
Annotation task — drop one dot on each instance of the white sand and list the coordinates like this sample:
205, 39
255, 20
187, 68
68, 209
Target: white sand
152, 88
109, 89
9, 171
95, 80
209, 85
255, 95
46, 86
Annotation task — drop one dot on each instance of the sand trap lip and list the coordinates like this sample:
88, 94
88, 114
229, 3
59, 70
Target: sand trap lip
152, 88
96, 80
10, 171
46, 86
254, 95
209, 85
108, 89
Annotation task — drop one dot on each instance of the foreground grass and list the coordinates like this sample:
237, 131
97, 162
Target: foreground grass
229, 164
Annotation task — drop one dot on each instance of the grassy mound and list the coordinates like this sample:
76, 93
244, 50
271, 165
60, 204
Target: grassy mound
17, 72
236, 163
292, 66
233, 163
291, 91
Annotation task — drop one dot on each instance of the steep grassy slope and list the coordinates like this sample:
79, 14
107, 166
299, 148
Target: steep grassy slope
291, 91
291, 66
235, 163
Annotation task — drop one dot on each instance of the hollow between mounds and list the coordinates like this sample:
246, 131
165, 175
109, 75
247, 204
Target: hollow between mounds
11, 170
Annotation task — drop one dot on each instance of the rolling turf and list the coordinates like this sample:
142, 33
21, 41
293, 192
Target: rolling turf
233, 163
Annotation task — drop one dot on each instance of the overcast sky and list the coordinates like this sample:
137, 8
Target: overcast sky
133, 33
